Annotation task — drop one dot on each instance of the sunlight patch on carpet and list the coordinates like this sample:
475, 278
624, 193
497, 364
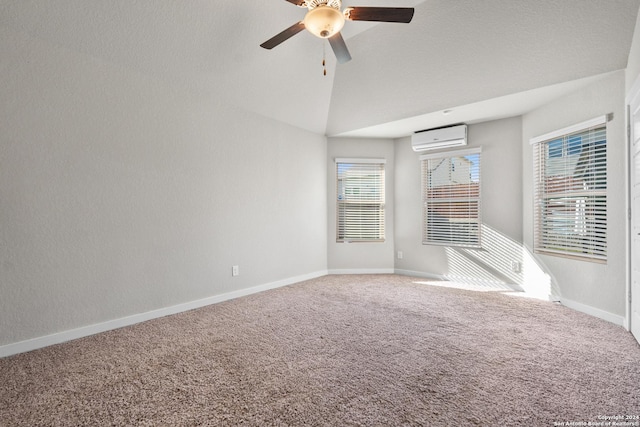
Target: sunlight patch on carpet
478, 287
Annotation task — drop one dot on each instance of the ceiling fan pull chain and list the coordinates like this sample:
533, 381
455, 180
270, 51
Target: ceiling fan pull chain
324, 56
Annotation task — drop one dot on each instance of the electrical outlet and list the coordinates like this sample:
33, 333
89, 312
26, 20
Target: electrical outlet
235, 270
515, 266
400, 254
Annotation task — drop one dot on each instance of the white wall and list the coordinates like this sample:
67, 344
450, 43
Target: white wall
588, 284
362, 256
633, 64
120, 195
501, 186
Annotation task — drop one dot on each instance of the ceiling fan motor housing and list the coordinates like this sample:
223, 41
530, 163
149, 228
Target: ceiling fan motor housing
312, 4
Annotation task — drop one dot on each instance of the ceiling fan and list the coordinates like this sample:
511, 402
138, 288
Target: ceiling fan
325, 20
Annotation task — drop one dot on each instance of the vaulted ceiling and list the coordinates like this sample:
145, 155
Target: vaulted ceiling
481, 59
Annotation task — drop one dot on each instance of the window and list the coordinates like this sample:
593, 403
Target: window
451, 198
570, 199
360, 200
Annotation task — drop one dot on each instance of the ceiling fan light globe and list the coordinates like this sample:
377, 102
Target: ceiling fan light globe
324, 21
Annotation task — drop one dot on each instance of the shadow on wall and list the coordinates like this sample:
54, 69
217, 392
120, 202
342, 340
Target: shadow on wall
501, 264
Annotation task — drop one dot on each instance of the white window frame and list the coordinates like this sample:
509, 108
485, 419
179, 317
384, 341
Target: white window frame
570, 210
360, 215
444, 232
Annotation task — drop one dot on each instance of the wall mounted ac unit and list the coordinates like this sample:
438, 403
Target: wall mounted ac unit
444, 137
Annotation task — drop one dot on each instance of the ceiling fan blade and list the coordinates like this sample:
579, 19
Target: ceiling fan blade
380, 14
340, 48
286, 34
296, 2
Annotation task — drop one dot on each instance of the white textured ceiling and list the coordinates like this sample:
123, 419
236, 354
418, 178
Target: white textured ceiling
455, 54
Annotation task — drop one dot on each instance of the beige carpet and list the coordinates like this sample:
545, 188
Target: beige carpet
337, 351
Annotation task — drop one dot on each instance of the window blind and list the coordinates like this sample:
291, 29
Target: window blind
360, 200
570, 195
451, 198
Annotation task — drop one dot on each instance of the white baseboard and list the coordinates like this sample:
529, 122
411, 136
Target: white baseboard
85, 331
419, 274
596, 312
362, 271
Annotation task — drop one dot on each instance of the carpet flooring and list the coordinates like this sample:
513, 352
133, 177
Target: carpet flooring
371, 350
